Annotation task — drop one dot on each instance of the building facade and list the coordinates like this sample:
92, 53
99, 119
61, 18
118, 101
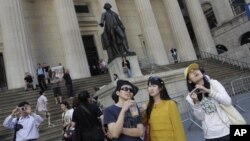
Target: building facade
68, 32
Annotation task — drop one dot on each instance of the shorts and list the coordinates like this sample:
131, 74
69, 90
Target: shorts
57, 91
43, 114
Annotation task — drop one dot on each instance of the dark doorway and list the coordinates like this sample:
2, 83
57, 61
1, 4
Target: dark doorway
91, 53
221, 49
3, 82
245, 38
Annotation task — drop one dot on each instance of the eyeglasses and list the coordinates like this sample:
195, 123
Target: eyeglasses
157, 78
126, 89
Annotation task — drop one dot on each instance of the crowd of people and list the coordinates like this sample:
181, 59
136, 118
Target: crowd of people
159, 120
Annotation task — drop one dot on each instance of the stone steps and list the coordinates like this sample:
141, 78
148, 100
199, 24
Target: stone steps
9, 99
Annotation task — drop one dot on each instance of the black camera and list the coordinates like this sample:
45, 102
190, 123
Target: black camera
199, 94
18, 127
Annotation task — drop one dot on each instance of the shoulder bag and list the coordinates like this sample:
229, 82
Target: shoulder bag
97, 132
234, 116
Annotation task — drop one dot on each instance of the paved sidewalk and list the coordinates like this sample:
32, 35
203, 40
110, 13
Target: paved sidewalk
196, 134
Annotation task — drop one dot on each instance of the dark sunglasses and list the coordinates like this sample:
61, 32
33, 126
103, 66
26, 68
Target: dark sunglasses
126, 89
156, 78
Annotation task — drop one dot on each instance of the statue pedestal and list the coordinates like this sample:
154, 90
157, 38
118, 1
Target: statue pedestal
115, 66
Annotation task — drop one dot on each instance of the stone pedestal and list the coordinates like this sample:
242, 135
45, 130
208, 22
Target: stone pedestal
115, 66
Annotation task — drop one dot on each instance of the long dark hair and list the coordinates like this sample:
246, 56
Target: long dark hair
163, 93
191, 86
83, 97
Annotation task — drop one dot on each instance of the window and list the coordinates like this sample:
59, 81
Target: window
221, 49
245, 38
82, 8
209, 13
237, 6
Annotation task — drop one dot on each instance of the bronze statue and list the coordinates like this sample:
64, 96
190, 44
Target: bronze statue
113, 37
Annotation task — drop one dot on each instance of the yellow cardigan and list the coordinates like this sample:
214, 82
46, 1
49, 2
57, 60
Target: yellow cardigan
165, 122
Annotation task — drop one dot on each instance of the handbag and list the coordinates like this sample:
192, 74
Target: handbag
233, 115
97, 132
68, 135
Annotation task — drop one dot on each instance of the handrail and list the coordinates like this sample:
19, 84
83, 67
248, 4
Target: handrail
235, 63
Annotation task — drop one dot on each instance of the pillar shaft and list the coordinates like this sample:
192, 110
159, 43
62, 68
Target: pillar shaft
151, 32
75, 56
17, 54
200, 26
180, 33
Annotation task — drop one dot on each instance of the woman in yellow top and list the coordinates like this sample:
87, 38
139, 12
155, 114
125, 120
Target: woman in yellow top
162, 113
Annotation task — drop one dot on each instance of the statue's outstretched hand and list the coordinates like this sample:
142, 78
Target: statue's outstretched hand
101, 24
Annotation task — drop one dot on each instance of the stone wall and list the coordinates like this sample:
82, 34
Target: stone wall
41, 23
228, 34
174, 82
241, 53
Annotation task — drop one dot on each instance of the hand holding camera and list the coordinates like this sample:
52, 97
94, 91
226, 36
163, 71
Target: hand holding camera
14, 111
196, 95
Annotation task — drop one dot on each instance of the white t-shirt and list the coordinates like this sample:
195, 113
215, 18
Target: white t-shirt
42, 103
67, 118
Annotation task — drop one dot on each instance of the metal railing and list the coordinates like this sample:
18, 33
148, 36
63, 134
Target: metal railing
235, 63
241, 86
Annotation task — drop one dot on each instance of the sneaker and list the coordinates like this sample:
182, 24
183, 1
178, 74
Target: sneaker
51, 125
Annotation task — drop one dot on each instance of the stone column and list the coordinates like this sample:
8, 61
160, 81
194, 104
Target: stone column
222, 11
200, 26
71, 39
180, 33
151, 32
17, 54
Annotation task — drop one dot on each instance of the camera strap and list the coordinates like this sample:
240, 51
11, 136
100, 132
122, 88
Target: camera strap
14, 138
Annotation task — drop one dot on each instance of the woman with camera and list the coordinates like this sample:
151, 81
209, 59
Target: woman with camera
204, 96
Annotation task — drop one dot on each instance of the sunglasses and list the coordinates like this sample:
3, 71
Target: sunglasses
126, 89
157, 78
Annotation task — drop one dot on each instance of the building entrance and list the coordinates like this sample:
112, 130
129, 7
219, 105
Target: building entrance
91, 53
3, 82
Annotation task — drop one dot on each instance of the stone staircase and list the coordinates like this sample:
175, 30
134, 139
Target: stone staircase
9, 99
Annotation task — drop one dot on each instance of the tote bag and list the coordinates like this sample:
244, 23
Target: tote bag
233, 115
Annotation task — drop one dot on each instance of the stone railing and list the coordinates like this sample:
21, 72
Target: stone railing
225, 59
